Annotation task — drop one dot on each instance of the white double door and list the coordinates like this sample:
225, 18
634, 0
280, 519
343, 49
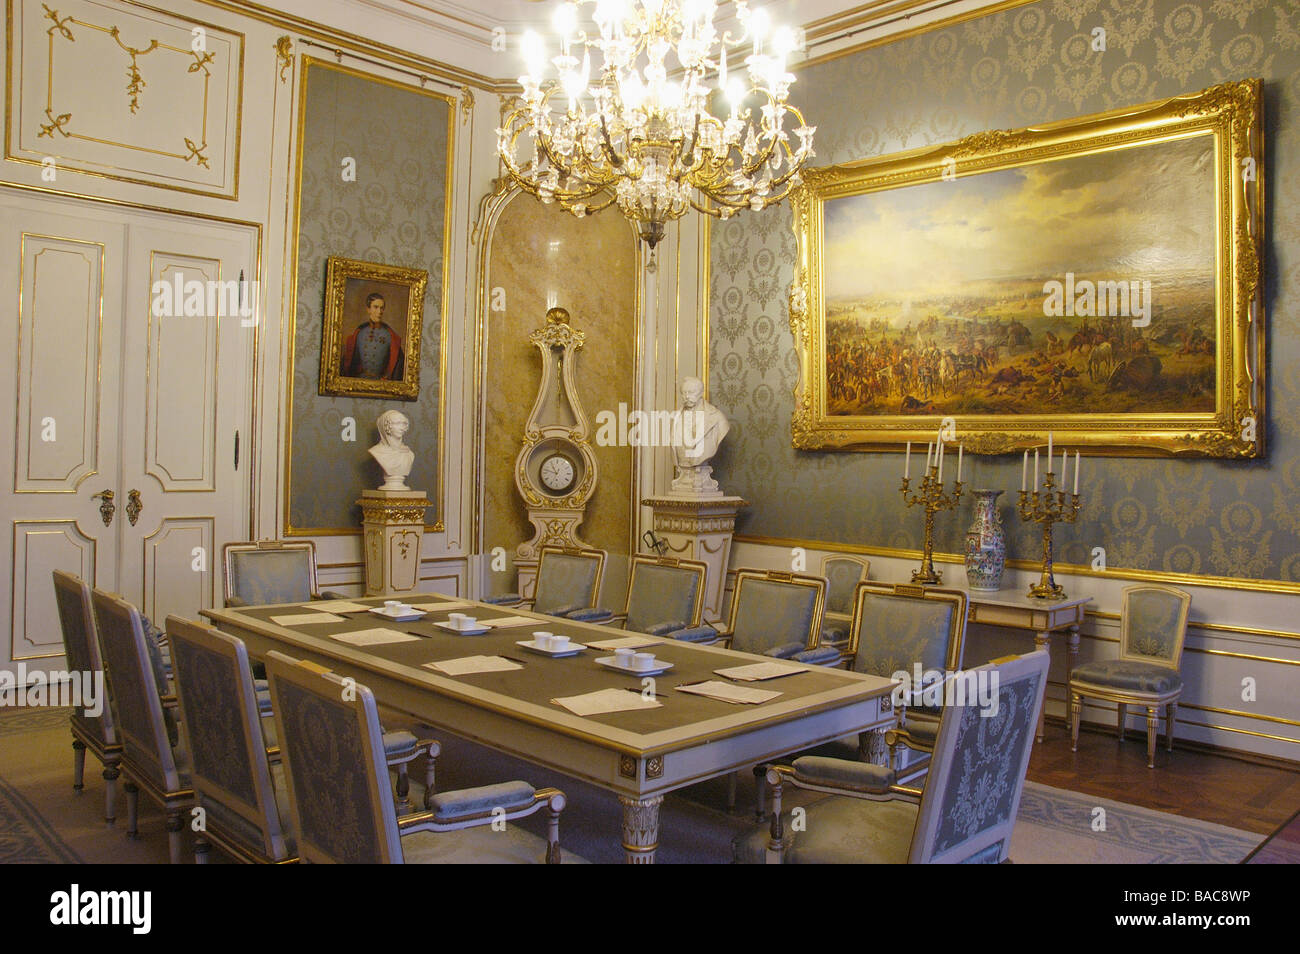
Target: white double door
119, 391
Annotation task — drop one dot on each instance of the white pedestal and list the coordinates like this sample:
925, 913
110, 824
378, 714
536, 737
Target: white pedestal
394, 526
699, 528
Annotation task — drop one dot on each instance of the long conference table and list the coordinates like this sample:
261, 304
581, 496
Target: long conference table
638, 755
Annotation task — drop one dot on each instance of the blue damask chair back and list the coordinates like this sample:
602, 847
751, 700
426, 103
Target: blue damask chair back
981, 756
896, 626
333, 755
147, 748
843, 574
269, 571
1154, 624
232, 781
776, 613
567, 579
664, 595
76, 616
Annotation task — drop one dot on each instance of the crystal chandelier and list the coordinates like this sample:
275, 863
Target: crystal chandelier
618, 113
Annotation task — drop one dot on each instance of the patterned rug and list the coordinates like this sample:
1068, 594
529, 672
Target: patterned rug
43, 821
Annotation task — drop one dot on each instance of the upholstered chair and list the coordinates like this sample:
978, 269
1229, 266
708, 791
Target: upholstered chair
271, 571
94, 732
664, 595
568, 585
842, 575
775, 614
150, 761
1153, 627
244, 812
334, 768
967, 810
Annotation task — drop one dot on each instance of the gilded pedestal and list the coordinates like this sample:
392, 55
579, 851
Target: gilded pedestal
699, 529
394, 526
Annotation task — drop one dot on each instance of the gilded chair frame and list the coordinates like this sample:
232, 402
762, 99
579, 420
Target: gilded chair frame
831, 558
700, 570
260, 546
1123, 698
913, 591
591, 553
104, 744
265, 815
812, 639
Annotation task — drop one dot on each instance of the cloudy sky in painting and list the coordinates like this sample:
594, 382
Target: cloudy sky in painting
1136, 213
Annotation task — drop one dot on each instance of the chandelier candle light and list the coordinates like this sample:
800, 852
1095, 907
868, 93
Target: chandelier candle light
1047, 508
931, 496
619, 121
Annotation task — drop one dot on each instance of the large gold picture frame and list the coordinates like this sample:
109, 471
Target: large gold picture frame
987, 281
374, 317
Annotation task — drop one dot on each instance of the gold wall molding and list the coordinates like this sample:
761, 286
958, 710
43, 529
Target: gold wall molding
284, 56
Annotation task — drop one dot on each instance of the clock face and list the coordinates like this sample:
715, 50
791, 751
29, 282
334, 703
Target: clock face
557, 473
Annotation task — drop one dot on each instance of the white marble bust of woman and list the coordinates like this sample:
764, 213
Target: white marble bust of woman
394, 457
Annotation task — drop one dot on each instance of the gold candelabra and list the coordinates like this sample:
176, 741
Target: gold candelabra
1047, 508
931, 496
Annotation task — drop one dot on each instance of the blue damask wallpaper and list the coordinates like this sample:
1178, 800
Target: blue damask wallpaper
393, 213
1025, 65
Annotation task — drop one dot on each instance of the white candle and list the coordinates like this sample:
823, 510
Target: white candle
1049, 450
1076, 472
959, 450
1035, 470
941, 462
907, 462
1024, 473
929, 450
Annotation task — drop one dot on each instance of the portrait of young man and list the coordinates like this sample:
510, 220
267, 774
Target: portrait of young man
374, 348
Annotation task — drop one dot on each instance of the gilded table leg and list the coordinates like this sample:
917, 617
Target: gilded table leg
1042, 640
873, 748
1072, 654
641, 828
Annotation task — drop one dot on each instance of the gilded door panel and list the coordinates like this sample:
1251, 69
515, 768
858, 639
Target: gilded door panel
39, 548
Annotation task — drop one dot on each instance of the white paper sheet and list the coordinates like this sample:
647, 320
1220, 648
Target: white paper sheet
624, 642
373, 637
305, 619
505, 622
337, 606
472, 664
606, 700
756, 672
726, 692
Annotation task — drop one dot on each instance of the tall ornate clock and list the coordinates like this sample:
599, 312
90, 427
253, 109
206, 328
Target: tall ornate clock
555, 471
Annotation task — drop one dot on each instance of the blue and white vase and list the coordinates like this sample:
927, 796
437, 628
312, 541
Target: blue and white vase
986, 543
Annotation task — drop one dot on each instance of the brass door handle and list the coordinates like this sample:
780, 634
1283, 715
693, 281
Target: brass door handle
106, 507
133, 506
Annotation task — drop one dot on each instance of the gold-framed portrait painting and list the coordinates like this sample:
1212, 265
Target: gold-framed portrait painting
1095, 277
374, 317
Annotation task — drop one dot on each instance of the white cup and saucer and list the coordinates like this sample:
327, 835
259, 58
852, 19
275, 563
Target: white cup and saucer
643, 662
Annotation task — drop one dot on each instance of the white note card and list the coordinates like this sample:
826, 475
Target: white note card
471, 664
374, 637
606, 700
505, 622
337, 606
759, 671
726, 692
624, 642
305, 619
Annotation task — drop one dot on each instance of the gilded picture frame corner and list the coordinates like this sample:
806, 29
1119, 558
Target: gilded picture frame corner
1234, 428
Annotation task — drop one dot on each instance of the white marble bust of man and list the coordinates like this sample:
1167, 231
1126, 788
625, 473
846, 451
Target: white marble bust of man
392, 454
700, 425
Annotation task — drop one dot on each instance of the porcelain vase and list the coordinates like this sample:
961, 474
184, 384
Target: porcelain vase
986, 543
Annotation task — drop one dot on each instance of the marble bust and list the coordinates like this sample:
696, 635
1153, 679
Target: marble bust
393, 456
698, 429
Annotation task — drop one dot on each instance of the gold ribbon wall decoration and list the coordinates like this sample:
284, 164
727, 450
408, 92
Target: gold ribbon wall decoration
135, 85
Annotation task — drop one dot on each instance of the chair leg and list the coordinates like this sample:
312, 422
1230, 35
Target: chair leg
553, 830
1123, 715
1171, 713
174, 827
760, 785
1153, 721
1076, 711
111, 773
201, 849
731, 790
403, 790
132, 810
430, 769
78, 764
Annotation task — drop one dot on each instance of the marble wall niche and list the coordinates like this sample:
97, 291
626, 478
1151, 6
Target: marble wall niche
541, 257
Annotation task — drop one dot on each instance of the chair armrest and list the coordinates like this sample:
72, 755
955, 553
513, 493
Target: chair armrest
590, 614
844, 774
820, 656
664, 629
235, 601
787, 651
477, 806
695, 634
330, 595
560, 612
504, 599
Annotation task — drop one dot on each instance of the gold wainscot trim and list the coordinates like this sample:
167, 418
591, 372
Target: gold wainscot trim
291, 315
284, 56
1230, 114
